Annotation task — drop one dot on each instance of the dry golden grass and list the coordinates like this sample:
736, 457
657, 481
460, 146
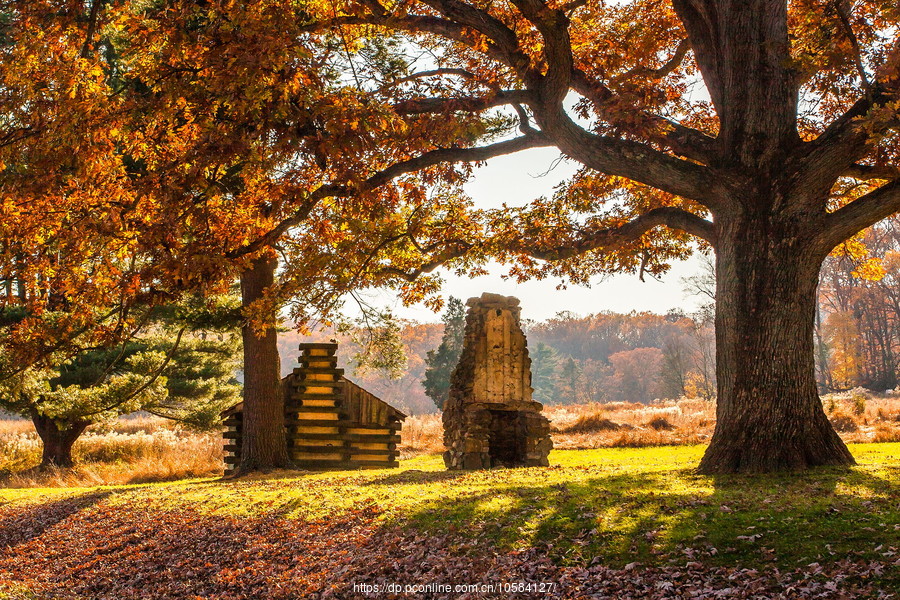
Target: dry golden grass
667, 422
134, 450
632, 425
149, 449
15, 426
421, 434
862, 417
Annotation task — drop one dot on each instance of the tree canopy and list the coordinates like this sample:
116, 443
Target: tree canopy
192, 138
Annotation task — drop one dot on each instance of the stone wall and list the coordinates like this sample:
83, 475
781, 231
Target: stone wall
490, 418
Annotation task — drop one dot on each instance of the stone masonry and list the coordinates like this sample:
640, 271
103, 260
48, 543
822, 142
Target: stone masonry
490, 419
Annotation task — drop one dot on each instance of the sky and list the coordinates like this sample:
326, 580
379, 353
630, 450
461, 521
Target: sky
518, 179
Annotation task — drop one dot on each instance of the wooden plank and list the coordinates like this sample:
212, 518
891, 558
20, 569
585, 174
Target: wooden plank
320, 402
314, 414
312, 429
362, 430
320, 377
388, 439
318, 362
310, 447
318, 389
370, 446
305, 456
314, 423
344, 465
314, 445
372, 458
359, 452
318, 346
332, 442
231, 448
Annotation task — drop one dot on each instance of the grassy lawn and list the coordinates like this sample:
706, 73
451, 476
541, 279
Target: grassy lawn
615, 505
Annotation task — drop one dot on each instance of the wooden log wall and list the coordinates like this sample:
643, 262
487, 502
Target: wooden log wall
232, 437
331, 422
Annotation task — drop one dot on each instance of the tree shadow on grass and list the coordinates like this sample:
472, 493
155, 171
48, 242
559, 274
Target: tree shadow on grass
21, 526
416, 476
658, 517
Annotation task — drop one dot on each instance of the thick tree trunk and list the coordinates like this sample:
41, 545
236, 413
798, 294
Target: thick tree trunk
264, 443
58, 438
769, 415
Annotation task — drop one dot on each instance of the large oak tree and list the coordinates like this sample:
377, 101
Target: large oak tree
765, 129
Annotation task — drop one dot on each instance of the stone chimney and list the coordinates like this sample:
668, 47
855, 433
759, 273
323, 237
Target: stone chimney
490, 419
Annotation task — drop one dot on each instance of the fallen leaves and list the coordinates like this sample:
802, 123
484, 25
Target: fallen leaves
91, 547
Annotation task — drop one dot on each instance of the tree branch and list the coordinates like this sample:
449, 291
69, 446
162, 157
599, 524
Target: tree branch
92, 25
829, 156
419, 106
634, 160
457, 250
553, 26
666, 69
844, 17
861, 213
615, 237
153, 377
868, 172
428, 159
432, 73
684, 141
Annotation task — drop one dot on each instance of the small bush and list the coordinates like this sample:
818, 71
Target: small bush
590, 423
858, 402
843, 422
660, 424
886, 433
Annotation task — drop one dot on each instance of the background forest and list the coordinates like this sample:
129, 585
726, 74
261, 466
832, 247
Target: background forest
642, 357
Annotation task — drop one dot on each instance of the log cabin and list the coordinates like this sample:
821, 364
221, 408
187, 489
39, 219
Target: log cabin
331, 422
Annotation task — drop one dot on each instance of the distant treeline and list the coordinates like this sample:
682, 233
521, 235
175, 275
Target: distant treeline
603, 357
638, 357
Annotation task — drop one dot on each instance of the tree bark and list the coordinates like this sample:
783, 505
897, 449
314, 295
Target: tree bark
264, 444
769, 415
58, 437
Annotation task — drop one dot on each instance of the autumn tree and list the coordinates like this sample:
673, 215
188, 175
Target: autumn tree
859, 312
206, 142
636, 375
442, 360
797, 100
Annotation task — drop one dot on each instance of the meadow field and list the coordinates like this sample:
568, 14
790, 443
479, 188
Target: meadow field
150, 449
617, 523
620, 513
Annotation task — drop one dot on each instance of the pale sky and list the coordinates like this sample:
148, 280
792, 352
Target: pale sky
518, 179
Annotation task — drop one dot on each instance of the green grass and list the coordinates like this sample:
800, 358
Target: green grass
616, 505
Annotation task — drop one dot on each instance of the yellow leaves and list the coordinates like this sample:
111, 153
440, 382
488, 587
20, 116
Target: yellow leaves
842, 335
870, 270
867, 267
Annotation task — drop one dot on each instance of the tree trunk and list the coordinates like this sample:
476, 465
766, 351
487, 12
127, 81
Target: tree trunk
58, 438
264, 444
769, 415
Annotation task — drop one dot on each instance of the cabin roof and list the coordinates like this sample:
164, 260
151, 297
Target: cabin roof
239, 407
